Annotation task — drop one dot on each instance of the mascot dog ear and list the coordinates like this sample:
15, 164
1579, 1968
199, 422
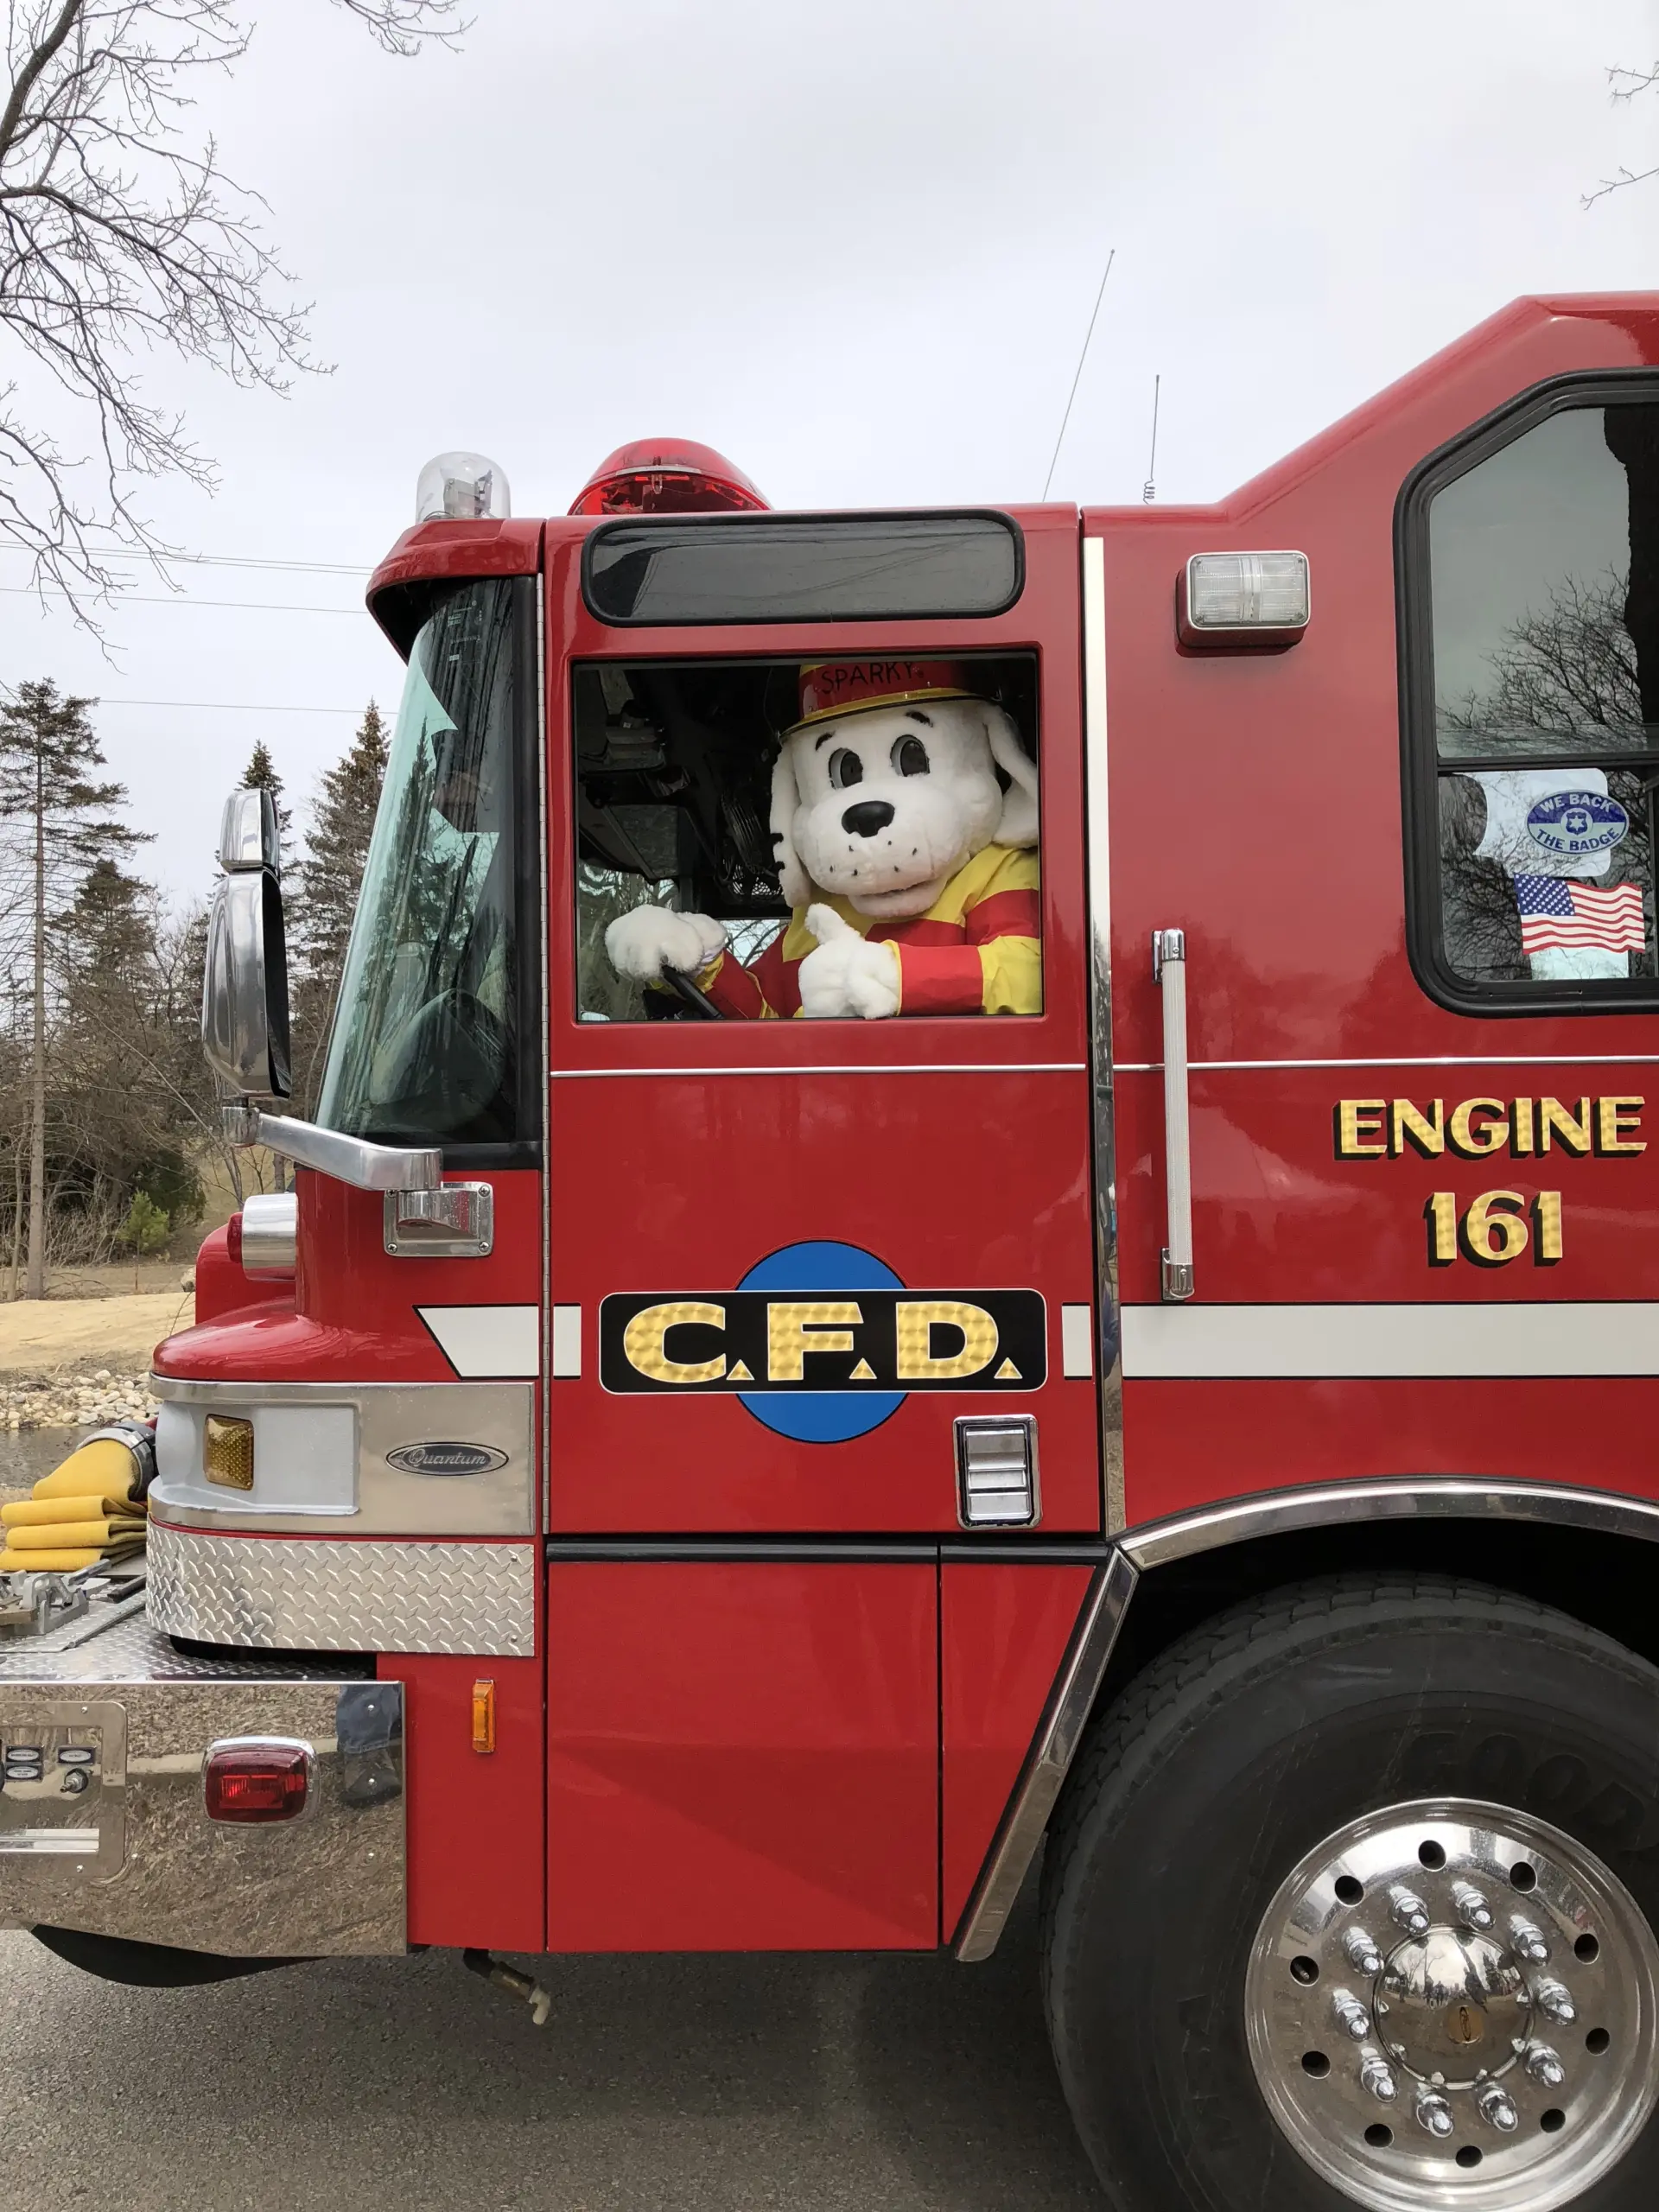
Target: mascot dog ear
1018, 825
786, 799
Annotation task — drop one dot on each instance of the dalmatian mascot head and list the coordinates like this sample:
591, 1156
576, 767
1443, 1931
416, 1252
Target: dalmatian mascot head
887, 785
895, 779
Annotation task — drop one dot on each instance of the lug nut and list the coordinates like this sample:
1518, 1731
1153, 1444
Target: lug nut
1433, 2114
1351, 2014
1472, 1908
1555, 2002
1410, 1910
1497, 2108
1529, 1939
1544, 2066
1376, 2077
1361, 1952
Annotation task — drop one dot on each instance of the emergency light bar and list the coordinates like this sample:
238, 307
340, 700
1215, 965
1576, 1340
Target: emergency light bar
1235, 600
462, 487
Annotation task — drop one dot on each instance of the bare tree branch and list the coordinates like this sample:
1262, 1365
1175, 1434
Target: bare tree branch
121, 235
1627, 83
404, 26
1625, 86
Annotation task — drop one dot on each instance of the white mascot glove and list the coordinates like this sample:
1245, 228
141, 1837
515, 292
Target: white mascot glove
846, 975
642, 944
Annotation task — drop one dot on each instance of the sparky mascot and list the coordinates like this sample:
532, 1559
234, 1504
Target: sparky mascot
909, 862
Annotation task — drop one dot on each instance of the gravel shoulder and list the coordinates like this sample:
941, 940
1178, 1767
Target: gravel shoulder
69, 1365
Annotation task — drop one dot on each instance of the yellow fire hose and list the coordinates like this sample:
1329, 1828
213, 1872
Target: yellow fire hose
91, 1509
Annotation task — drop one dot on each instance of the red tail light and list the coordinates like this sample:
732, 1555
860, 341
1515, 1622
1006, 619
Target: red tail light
665, 476
233, 1239
257, 1778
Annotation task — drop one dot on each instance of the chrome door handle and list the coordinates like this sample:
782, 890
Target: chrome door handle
1169, 971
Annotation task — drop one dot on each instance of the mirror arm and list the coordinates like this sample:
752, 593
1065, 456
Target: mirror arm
366, 1165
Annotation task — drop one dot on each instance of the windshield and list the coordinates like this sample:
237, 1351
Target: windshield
424, 1044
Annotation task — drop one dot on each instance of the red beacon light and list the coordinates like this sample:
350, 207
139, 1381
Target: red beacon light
665, 476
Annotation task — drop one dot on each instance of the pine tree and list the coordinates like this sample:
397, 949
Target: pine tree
108, 928
62, 827
260, 775
330, 877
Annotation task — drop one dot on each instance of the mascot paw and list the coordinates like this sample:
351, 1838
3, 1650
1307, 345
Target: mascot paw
847, 976
640, 944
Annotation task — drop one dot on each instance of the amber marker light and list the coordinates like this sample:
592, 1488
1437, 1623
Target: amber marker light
255, 1780
227, 1452
483, 1716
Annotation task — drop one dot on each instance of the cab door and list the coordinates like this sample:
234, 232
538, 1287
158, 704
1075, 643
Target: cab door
748, 1486
1413, 860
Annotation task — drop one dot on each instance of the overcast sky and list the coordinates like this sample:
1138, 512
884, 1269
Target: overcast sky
854, 247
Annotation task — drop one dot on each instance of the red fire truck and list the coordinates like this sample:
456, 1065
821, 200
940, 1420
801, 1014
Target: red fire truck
1145, 1367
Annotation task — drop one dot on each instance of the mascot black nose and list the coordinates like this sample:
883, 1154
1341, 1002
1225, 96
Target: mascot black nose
867, 818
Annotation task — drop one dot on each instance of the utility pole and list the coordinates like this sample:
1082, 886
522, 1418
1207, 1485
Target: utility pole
35, 1280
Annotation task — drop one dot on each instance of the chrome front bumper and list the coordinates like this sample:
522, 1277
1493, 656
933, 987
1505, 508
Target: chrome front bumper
120, 1843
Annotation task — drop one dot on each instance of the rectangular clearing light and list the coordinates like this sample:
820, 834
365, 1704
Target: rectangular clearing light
1243, 599
996, 1471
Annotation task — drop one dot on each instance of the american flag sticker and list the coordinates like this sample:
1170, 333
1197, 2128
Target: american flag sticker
1558, 914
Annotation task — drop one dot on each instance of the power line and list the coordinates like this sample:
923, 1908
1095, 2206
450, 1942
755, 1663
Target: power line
225, 706
216, 561
179, 599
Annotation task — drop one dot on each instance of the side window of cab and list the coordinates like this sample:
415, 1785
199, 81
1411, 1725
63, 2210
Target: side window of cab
849, 839
1529, 579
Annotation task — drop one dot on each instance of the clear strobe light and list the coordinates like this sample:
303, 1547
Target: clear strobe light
1254, 597
462, 487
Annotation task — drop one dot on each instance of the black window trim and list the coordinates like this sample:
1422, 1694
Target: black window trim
785, 657
1419, 747
531, 950
795, 618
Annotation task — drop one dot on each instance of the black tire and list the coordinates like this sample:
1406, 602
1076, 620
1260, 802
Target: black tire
1241, 1749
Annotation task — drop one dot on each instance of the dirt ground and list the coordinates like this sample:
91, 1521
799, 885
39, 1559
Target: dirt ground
38, 1336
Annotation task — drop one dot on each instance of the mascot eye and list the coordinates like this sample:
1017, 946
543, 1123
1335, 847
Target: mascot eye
910, 757
845, 768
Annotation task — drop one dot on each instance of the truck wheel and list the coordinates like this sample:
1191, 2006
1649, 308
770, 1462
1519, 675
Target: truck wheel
1350, 1901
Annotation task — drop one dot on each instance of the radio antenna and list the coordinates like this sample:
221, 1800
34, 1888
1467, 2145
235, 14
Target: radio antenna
1149, 489
1077, 379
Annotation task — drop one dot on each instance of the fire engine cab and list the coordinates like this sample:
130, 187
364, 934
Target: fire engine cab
980, 1211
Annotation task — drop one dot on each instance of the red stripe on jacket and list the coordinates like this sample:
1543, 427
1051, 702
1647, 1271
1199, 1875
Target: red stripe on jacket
939, 961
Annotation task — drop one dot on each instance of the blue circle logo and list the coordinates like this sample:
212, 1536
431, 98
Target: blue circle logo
822, 1416
1568, 823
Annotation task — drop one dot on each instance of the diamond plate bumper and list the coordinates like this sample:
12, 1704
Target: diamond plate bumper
104, 1728
277, 1594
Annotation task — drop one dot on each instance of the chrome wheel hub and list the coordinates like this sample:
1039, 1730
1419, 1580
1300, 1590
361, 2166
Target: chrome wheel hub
1454, 2008
1449, 2004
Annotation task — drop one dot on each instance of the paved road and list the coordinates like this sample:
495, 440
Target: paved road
659, 2085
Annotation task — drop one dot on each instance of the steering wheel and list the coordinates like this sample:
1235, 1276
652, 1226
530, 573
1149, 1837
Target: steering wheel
450, 1057
700, 1003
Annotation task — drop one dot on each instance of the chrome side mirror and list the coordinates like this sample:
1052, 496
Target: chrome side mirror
248, 836
245, 1030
